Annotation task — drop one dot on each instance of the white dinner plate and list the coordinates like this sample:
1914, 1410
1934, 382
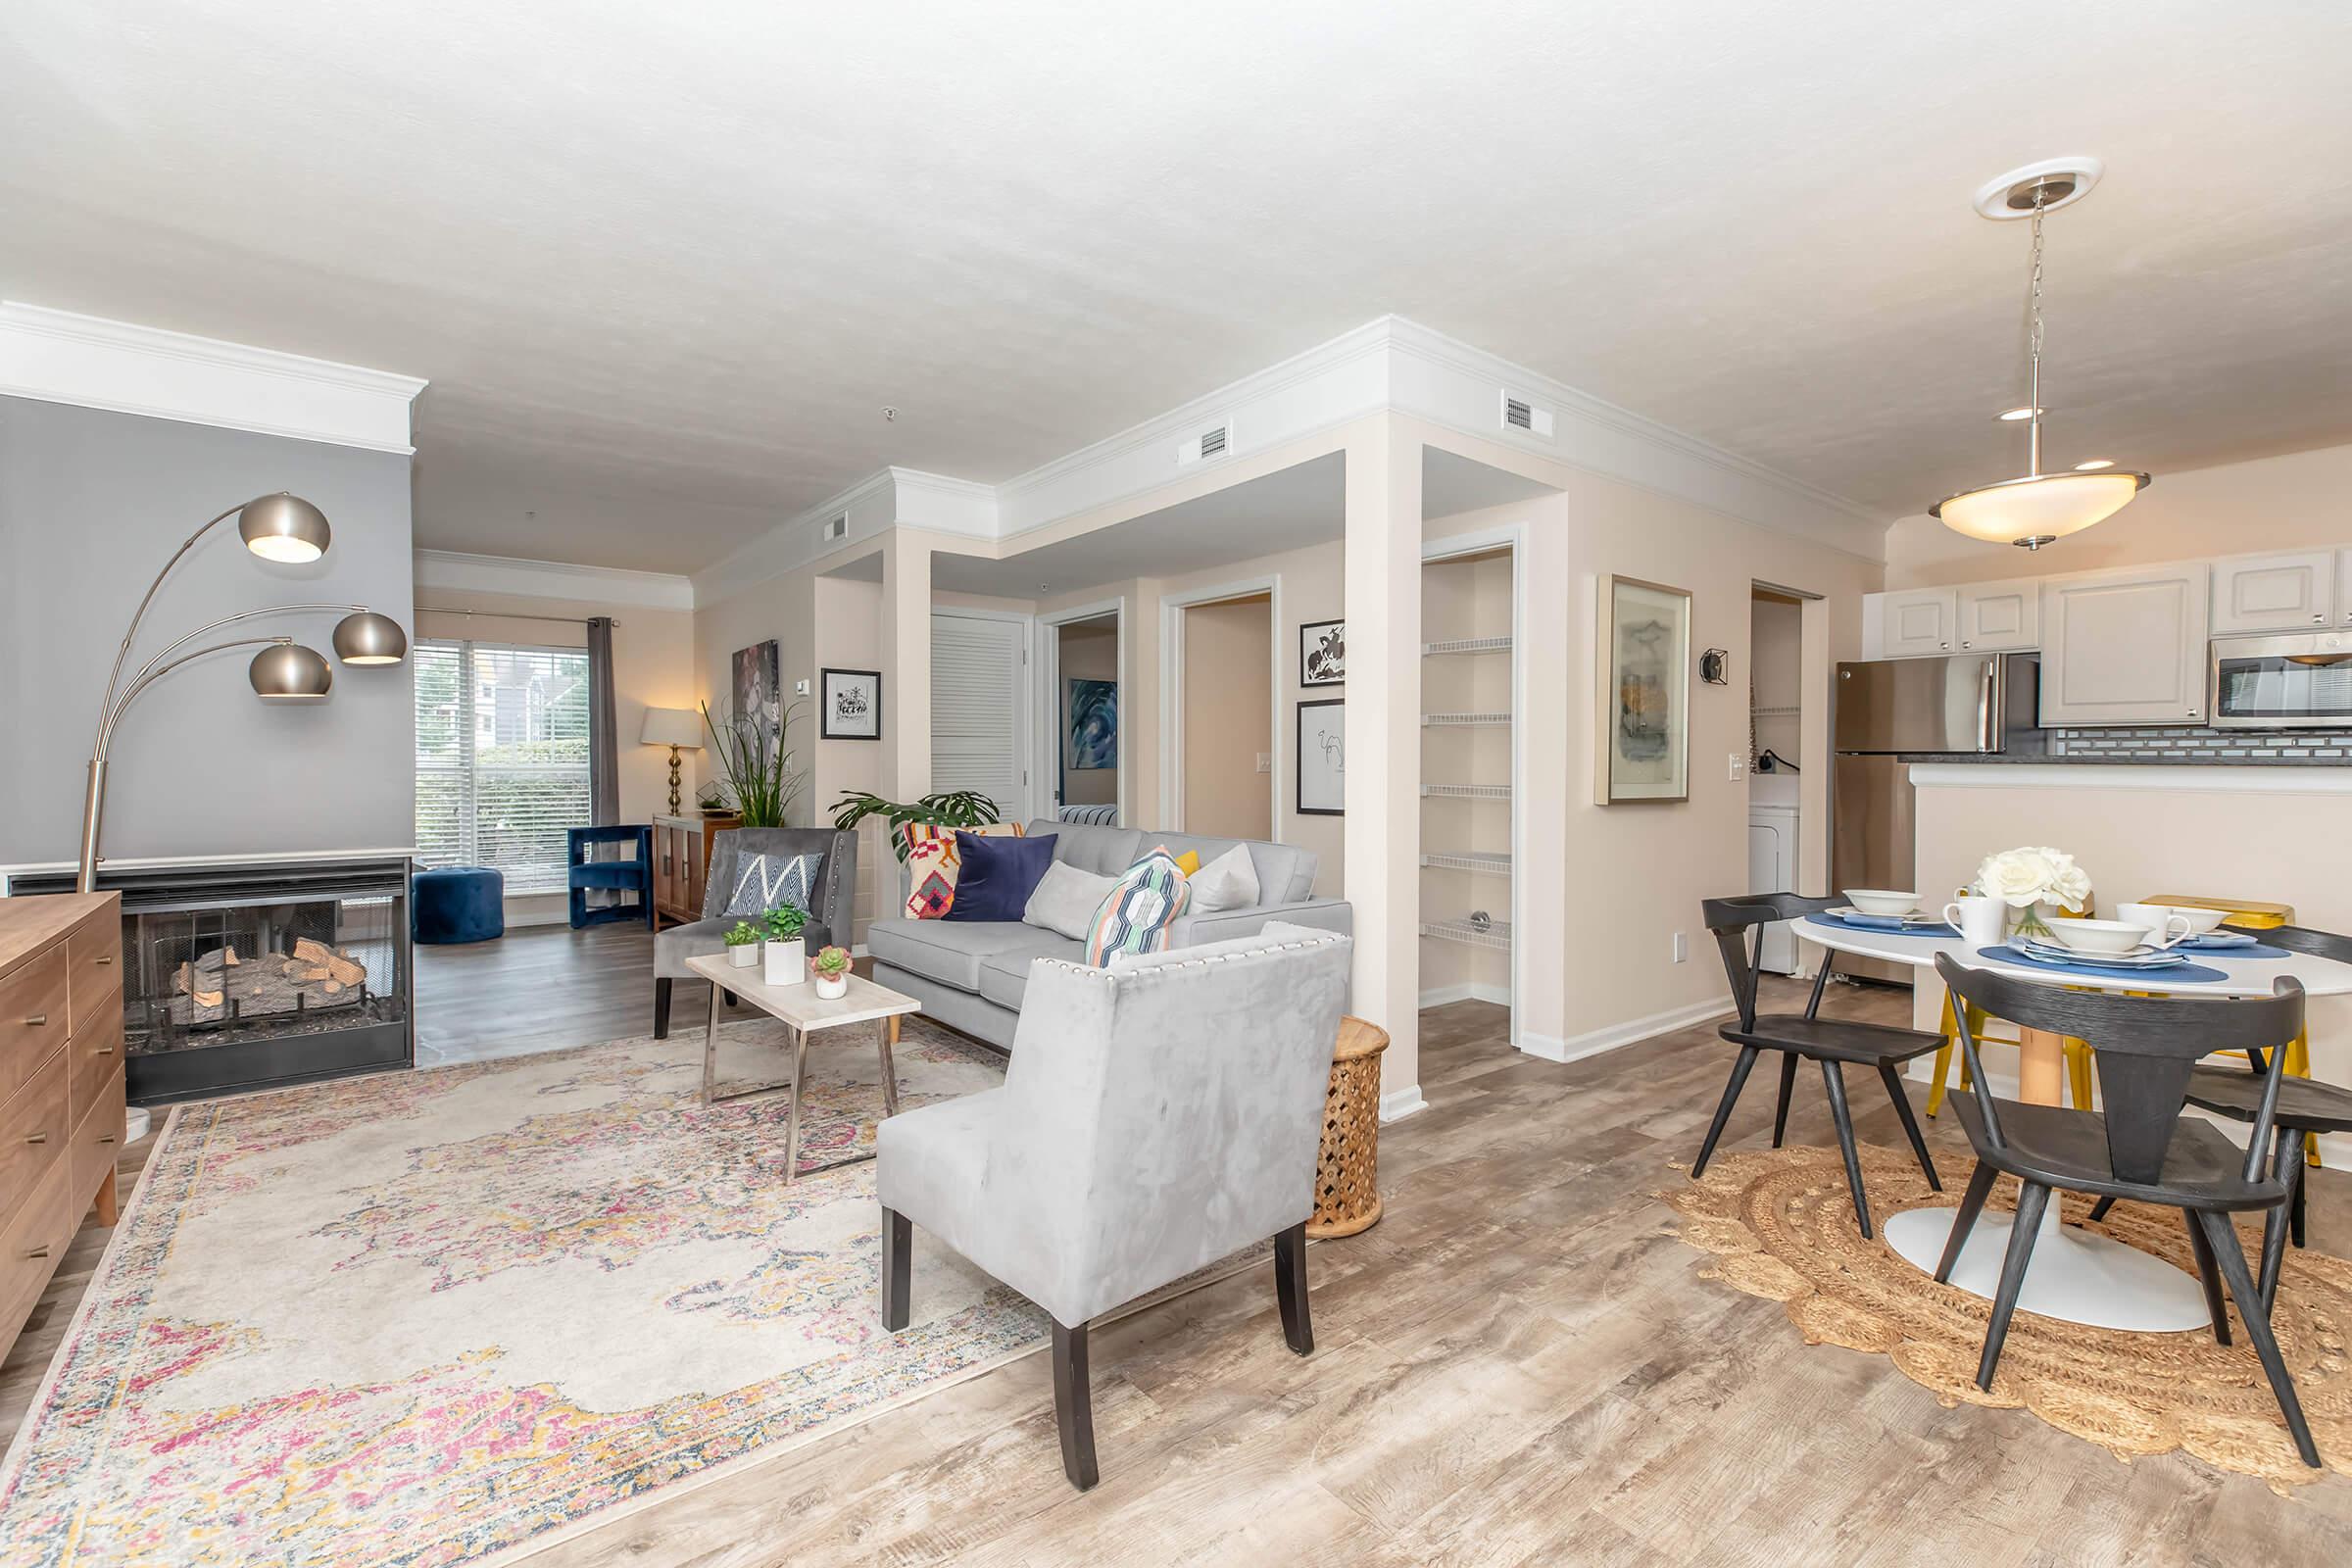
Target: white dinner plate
1915, 918
2139, 959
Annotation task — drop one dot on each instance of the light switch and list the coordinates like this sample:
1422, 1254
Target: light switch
1265, 761
1738, 766
799, 688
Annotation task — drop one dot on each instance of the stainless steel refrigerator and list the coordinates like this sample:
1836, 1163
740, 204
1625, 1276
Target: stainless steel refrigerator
1970, 704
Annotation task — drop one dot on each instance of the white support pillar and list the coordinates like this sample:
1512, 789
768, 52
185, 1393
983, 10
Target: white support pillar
1383, 825
907, 667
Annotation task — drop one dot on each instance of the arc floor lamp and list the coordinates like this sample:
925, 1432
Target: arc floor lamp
276, 527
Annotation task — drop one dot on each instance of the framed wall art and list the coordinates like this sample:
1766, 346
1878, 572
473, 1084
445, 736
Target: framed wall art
1644, 662
852, 708
1323, 653
1322, 753
758, 689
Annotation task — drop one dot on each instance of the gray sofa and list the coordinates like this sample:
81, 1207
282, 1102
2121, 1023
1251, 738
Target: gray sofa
828, 919
971, 976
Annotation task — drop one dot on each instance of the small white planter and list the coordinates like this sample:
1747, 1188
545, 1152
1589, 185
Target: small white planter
833, 988
786, 964
743, 955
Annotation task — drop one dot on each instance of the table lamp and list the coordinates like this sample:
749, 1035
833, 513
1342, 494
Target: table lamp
674, 728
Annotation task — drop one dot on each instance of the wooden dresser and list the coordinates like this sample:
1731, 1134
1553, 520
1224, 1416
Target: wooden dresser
681, 861
61, 1083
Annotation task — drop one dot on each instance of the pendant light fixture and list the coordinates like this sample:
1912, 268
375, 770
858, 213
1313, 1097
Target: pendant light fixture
2037, 508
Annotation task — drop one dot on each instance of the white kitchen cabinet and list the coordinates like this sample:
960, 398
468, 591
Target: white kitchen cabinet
2344, 587
1918, 621
1996, 617
2125, 646
2291, 592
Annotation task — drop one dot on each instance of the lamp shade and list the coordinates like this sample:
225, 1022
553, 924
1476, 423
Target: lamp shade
671, 726
368, 638
2037, 509
289, 672
283, 527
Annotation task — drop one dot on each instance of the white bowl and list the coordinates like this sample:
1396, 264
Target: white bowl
2110, 937
2200, 921
1877, 901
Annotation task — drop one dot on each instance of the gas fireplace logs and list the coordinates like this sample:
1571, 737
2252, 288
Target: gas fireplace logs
313, 975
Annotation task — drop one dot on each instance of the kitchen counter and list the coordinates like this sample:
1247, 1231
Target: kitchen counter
2286, 757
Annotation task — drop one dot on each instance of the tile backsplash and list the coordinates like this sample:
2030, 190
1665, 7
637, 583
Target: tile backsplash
2330, 747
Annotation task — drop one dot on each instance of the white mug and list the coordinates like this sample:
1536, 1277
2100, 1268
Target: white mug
2157, 921
1981, 922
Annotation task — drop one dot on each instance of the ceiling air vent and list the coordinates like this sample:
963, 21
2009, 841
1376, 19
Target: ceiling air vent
1518, 414
836, 530
1209, 443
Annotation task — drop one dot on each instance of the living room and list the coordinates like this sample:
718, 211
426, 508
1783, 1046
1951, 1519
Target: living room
817, 860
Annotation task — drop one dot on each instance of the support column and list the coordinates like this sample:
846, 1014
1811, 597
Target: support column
907, 667
1383, 825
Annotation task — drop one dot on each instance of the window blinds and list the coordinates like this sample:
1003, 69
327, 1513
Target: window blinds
502, 758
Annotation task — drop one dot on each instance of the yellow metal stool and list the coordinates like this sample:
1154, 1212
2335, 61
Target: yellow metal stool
2078, 1055
2253, 916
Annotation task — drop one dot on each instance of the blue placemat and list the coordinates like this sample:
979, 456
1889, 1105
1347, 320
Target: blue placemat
2233, 949
1884, 925
2147, 979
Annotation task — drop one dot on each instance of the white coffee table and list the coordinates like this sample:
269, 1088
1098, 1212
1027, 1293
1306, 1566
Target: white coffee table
803, 1012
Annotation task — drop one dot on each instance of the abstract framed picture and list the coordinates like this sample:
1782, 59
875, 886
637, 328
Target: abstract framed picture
1323, 653
758, 689
1644, 697
1322, 753
852, 705
1092, 742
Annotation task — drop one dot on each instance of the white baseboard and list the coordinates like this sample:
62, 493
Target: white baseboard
1593, 1042
538, 909
1399, 1103
1469, 991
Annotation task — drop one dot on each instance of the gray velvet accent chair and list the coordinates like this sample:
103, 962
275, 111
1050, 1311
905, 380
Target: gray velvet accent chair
1155, 1116
829, 914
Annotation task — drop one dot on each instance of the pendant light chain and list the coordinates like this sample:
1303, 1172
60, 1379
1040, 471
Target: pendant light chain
2033, 344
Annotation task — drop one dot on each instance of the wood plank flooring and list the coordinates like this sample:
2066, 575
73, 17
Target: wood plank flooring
1518, 1365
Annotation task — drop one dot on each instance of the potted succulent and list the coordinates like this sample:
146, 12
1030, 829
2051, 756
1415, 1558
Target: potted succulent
784, 958
743, 945
831, 967
713, 801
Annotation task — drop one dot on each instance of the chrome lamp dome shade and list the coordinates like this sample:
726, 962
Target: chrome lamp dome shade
289, 672
370, 638
283, 527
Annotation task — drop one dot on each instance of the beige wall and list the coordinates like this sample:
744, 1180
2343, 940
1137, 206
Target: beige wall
2288, 502
1229, 717
2188, 830
652, 666
1090, 651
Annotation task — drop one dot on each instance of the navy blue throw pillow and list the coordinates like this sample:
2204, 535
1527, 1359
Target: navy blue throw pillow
995, 875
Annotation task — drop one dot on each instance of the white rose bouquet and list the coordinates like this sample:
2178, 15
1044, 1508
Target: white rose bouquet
2027, 878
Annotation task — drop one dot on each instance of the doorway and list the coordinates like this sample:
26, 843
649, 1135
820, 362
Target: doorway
980, 706
1218, 722
1775, 740
1086, 738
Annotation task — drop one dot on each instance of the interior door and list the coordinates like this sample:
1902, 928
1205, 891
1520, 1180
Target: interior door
980, 708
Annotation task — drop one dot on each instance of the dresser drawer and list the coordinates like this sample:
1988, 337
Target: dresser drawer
92, 1057
32, 1131
32, 1242
32, 1015
97, 1143
94, 965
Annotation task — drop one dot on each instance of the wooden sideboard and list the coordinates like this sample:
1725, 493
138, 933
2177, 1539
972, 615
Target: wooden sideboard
61, 1083
681, 863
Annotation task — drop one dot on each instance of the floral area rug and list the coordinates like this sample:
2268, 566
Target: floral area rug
1782, 1227
429, 1317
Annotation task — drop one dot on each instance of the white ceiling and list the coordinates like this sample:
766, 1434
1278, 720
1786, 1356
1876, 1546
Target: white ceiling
664, 266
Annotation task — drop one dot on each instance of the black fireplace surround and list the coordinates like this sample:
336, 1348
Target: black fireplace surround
256, 975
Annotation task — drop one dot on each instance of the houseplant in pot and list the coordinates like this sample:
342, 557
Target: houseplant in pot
831, 967
743, 945
784, 960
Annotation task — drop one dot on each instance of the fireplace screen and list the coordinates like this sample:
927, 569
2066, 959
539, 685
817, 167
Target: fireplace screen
263, 970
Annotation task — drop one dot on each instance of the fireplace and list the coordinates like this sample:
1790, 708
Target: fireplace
249, 976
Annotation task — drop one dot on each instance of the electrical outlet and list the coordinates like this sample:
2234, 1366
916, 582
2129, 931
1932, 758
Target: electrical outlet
1682, 947
1265, 761
1738, 766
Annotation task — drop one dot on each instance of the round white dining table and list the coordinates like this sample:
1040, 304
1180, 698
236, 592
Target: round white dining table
2080, 1275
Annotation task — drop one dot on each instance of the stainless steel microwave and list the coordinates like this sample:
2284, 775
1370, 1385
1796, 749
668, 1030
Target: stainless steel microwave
2301, 680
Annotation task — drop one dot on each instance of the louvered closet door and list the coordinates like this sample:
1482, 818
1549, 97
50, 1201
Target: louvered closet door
979, 709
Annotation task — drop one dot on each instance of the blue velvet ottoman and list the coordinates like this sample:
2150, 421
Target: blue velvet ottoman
457, 903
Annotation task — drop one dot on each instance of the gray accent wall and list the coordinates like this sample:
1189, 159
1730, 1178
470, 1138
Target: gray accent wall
91, 504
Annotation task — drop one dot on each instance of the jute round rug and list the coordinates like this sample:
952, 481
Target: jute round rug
1782, 1227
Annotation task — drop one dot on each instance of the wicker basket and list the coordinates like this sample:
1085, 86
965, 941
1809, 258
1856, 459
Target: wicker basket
1346, 1171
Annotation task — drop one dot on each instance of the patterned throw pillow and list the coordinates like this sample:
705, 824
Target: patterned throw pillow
932, 864
1135, 914
765, 882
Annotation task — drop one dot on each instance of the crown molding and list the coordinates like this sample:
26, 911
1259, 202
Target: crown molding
870, 504
59, 356
939, 504
552, 579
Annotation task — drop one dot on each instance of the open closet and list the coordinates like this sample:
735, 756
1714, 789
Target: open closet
1469, 761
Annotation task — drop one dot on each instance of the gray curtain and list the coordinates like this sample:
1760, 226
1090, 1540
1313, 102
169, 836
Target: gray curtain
604, 754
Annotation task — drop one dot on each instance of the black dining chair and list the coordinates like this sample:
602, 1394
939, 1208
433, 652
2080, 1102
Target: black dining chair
1739, 926
2138, 1146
